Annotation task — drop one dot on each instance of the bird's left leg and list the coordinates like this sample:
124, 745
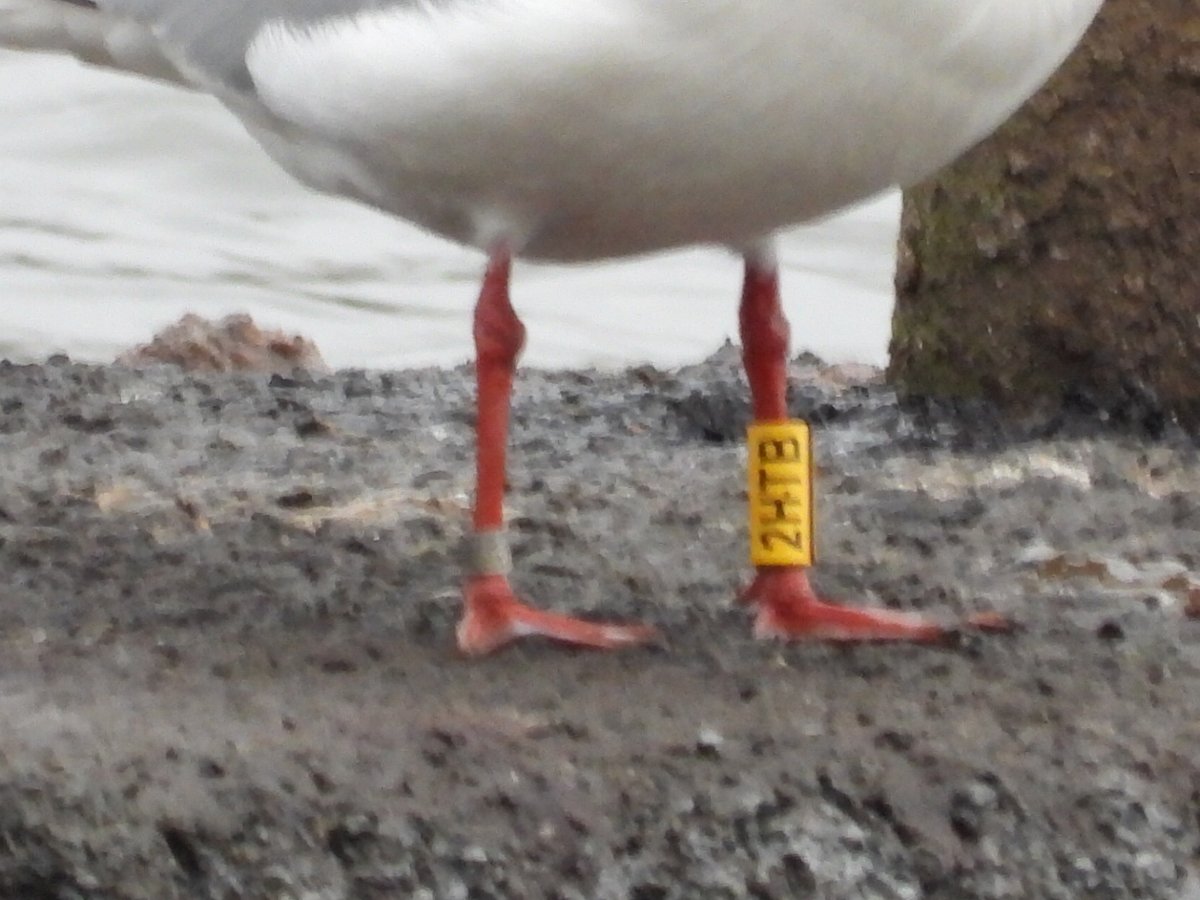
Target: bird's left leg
493, 615
786, 603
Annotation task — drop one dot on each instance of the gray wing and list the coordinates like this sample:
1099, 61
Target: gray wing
211, 37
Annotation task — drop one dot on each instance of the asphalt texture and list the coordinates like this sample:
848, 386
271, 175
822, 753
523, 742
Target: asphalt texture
227, 665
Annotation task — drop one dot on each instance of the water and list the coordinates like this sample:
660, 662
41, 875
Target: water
125, 204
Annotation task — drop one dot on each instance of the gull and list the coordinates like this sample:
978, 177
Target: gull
576, 130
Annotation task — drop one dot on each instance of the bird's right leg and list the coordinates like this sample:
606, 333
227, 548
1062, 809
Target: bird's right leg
493, 615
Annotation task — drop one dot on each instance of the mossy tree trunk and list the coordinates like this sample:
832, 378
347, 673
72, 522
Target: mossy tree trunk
1061, 258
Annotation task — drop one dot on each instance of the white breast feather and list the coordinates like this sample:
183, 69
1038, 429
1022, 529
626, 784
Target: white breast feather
384, 69
619, 126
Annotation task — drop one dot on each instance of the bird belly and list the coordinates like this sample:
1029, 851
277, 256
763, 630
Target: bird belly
614, 127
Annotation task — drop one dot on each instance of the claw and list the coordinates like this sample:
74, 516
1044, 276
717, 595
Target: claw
494, 616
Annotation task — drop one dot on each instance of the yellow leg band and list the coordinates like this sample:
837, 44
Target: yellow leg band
781, 494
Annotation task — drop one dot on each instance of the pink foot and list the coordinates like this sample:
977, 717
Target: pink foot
493, 616
789, 610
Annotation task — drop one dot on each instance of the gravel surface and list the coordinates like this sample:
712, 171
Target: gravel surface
226, 617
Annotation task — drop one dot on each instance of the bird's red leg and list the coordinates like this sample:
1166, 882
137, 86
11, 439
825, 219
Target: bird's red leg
786, 604
493, 615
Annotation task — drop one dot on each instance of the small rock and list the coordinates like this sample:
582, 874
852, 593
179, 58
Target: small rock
1110, 630
708, 742
234, 344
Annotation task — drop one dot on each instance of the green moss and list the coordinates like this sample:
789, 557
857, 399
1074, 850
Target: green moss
969, 225
925, 359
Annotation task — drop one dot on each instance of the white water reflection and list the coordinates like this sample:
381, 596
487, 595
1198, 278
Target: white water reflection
124, 204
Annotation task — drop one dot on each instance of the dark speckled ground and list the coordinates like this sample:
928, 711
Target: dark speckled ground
225, 616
